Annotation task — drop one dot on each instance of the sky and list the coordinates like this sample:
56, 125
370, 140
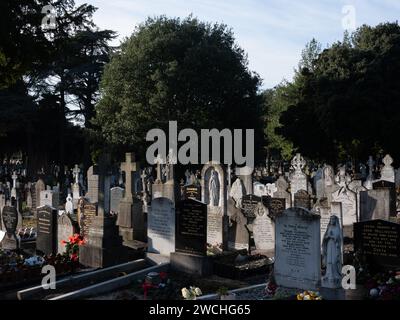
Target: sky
272, 32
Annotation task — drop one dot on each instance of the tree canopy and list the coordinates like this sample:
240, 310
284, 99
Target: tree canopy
173, 69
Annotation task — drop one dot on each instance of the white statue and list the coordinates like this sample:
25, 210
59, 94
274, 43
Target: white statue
332, 254
213, 188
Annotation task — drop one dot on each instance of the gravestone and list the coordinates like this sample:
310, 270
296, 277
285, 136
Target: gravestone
39, 187
282, 192
246, 176
391, 186
263, 230
87, 215
214, 194
375, 204
302, 199
49, 198
191, 239
116, 195
379, 242
161, 227
191, 227
93, 184
349, 204
192, 191
298, 180
238, 234
297, 249
275, 206
131, 219
10, 222
46, 240
249, 205
104, 245
65, 229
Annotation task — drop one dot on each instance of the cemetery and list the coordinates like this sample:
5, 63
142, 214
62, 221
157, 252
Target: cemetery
307, 209
207, 232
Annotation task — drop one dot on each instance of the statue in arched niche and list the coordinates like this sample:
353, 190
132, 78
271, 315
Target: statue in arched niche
213, 188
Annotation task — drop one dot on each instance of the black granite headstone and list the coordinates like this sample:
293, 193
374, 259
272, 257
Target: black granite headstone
249, 204
46, 240
379, 242
192, 192
191, 227
276, 206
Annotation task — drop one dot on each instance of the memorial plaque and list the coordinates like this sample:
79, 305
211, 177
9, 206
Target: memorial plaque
46, 240
249, 204
10, 219
192, 192
86, 218
379, 242
191, 227
297, 249
161, 226
302, 199
391, 186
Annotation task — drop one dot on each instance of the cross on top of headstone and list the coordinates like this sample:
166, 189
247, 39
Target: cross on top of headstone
128, 166
298, 162
76, 172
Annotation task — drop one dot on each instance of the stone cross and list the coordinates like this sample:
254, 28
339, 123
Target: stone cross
128, 166
298, 163
76, 171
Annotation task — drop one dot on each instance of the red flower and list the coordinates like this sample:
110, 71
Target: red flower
74, 257
63, 242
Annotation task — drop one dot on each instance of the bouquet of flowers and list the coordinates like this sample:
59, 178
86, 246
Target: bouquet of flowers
191, 293
148, 283
72, 246
384, 286
309, 295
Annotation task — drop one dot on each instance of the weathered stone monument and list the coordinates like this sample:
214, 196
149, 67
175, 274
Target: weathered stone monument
297, 249
161, 227
213, 186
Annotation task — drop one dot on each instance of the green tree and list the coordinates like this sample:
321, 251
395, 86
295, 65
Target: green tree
351, 97
184, 70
